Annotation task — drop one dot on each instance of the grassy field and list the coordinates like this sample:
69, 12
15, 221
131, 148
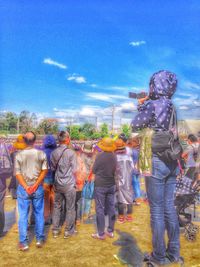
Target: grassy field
82, 250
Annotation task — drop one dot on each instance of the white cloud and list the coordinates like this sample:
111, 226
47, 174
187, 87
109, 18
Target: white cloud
105, 97
90, 111
128, 106
93, 85
184, 107
49, 61
191, 85
76, 78
137, 43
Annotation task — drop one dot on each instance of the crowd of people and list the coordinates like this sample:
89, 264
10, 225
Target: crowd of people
59, 180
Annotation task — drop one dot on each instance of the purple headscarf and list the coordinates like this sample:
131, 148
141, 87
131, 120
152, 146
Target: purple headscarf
162, 83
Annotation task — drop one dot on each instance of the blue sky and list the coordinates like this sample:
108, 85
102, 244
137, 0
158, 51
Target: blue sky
60, 58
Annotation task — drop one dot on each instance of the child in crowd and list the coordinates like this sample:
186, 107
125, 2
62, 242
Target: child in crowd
49, 144
80, 180
88, 160
135, 144
124, 172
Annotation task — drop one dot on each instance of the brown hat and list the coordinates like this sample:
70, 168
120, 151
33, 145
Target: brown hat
120, 145
107, 144
87, 147
19, 144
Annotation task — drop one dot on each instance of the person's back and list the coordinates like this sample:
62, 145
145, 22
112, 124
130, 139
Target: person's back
124, 170
104, 169
29, 162
63, 162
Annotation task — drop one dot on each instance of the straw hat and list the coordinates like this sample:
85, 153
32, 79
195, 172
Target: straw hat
120, 145
87, 147
107, 144
19, 144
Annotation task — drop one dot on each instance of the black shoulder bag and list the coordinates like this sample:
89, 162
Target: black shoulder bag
166, 144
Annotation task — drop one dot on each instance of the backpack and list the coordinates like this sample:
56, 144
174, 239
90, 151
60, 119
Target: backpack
166, 144
6, 166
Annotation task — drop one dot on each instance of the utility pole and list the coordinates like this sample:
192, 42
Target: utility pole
18, 125
113, 116
96, 122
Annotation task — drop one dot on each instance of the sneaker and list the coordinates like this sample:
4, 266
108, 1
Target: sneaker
136, 203
121, 219
97, 236
173, 260
129, 218
55, 234
23, 247
110, 234
40, 243
68, 234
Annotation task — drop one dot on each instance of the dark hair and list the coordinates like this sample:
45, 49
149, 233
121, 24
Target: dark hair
192, 138
123, 137
30, 141
62, 136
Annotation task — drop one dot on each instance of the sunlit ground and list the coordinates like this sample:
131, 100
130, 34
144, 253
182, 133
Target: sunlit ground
82, 250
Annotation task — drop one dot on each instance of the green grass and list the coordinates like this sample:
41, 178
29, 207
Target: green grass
82, 250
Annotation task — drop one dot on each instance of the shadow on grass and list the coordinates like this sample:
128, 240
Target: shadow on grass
129, 253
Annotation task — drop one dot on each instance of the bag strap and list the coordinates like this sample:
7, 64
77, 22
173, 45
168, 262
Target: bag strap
60, 158
173, 123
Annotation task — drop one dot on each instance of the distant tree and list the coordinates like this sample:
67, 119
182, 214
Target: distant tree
11, 119
48, 126
104, 130
126, 129
82, 137
88, 129
96, 135
74, 131
25, 121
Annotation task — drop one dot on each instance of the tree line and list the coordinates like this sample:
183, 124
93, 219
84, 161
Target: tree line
11, 123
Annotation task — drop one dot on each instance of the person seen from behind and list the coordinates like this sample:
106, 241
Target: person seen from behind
190, 155
123, 177
49, 144
104, 169
64, 164
30, 169
157, 112
88, 158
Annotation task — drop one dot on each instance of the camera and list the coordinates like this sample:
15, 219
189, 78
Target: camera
137, 95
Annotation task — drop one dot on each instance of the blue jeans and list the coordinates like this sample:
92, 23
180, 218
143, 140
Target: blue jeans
160, 192
86, 206
136, 185
24, 200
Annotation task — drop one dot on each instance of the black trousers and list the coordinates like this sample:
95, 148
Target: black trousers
125, 208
